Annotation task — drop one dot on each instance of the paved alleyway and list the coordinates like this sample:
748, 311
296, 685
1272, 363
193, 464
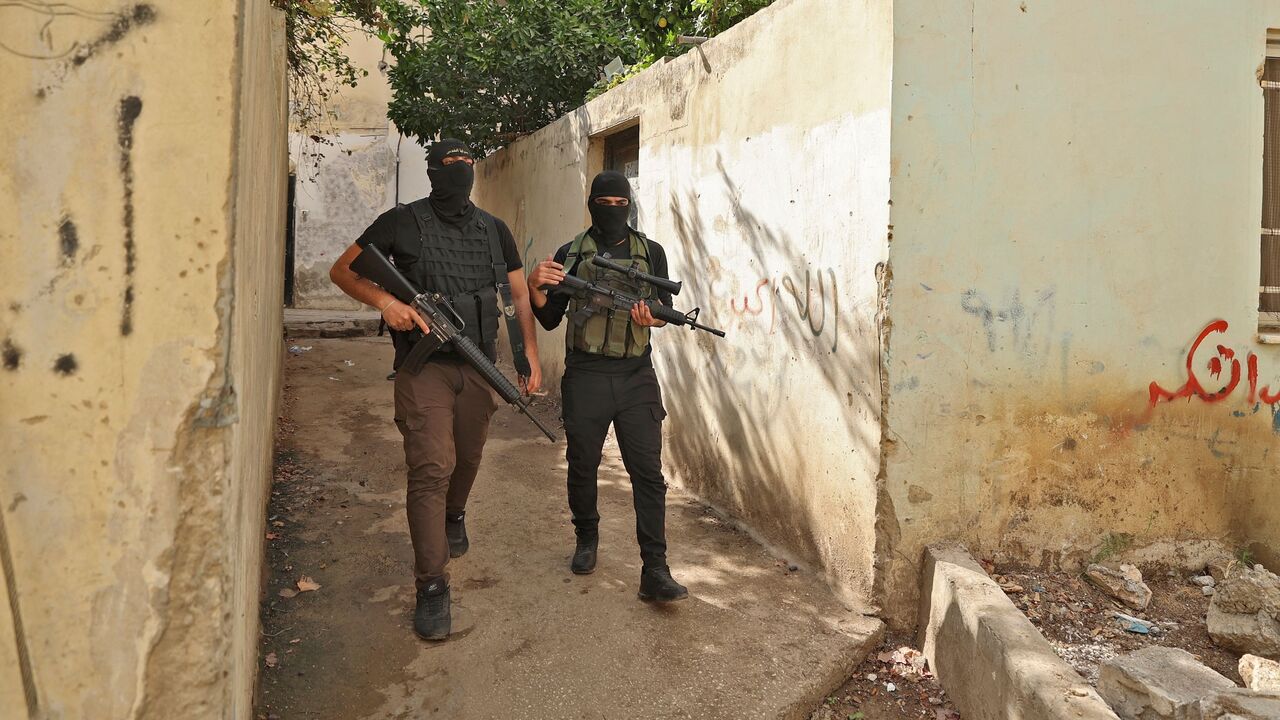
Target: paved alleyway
531, 640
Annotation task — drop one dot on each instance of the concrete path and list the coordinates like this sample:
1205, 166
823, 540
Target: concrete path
308, 323
531, 639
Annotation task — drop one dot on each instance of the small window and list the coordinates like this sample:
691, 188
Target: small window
1269, 290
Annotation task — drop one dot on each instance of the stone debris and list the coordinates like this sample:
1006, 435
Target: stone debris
1239, 704
1244, 614
1221, 566
1260, 674
1157, 682
1124, 585
1207, 591
1203, 580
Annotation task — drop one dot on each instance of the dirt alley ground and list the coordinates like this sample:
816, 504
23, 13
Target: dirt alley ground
530, 640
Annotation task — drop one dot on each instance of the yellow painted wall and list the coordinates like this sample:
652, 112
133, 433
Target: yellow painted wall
139, 321
764, 173
1076, 195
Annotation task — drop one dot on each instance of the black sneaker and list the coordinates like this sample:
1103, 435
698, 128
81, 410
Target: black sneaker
431, 618
584, 556
657, 585
455, 528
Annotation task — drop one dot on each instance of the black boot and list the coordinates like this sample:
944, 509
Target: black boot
431, 618
656, 584
455, 528
584, 556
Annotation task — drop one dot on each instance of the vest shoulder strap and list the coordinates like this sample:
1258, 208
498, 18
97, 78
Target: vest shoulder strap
575, 250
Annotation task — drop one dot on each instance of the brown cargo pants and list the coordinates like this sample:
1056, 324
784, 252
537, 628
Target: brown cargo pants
443, 413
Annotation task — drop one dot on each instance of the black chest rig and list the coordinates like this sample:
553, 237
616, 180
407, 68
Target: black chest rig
465, 263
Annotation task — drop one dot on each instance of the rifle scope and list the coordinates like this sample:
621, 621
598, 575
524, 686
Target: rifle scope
671, 286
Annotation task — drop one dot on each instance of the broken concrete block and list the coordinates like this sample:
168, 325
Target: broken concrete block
1240, 704
1157, 682
1124, 585
1260, 674
1244, 614
1222, 566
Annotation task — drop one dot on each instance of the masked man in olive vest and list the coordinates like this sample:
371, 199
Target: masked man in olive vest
609, 379
446, 244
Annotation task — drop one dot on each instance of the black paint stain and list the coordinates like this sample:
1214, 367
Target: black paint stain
69, 239
65, 364
12, 355
130, 109
141, 14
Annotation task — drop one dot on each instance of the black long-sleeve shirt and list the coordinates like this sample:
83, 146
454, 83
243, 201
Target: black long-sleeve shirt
553, 313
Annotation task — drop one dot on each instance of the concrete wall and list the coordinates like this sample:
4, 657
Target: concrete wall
349, 177
1076, 195
140, 329
767, 182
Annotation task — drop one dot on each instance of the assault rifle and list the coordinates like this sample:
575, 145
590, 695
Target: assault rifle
435, 311
602, 297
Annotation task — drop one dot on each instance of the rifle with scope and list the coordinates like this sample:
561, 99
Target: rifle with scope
603, 297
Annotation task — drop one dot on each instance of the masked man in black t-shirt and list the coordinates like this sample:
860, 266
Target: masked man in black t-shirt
609, 379
446, 244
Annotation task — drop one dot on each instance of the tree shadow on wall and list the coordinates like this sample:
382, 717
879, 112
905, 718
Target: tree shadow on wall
754, 469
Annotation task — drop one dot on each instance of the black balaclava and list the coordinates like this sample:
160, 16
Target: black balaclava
450, 184
610, 220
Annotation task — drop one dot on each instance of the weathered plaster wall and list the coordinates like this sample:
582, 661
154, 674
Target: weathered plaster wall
336, 196
767, 183
139, 327
350, 177
1076, 195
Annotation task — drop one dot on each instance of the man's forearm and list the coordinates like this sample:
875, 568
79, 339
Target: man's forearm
352, 284
524, 313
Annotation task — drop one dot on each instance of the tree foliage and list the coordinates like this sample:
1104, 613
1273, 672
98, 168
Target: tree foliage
488, 71
657, 25
315, 42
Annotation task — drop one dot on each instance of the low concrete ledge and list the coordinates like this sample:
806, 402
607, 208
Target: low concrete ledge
993, 663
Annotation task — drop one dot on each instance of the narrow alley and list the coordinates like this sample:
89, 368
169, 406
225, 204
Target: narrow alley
530, 639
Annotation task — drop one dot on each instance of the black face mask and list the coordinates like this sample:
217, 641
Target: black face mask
610, 220
451, 187
450, 184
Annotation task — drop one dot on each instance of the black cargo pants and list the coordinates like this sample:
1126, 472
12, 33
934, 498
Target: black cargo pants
633, 405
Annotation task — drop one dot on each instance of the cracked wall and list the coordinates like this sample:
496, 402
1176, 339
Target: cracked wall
350, 168
140, 327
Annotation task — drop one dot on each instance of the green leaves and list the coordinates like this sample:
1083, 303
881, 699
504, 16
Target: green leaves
489, 71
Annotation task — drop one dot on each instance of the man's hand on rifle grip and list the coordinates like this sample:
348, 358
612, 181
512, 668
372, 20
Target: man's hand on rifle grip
402, 317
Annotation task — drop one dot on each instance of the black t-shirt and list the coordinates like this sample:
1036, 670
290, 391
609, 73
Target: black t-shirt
395, 233
551, 314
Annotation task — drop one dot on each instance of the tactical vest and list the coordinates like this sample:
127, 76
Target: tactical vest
607, 332
456, 261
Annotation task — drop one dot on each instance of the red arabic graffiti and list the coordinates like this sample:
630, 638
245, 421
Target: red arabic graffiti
1193, 387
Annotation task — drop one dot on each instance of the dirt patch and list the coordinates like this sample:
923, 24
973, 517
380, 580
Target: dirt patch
1079, 620
893, 683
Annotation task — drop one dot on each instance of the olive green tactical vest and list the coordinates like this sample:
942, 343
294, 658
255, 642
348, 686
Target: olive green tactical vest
607, 332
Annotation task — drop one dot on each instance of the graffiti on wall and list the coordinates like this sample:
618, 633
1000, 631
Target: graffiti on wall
1224, 361
816, 303
1024, 325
